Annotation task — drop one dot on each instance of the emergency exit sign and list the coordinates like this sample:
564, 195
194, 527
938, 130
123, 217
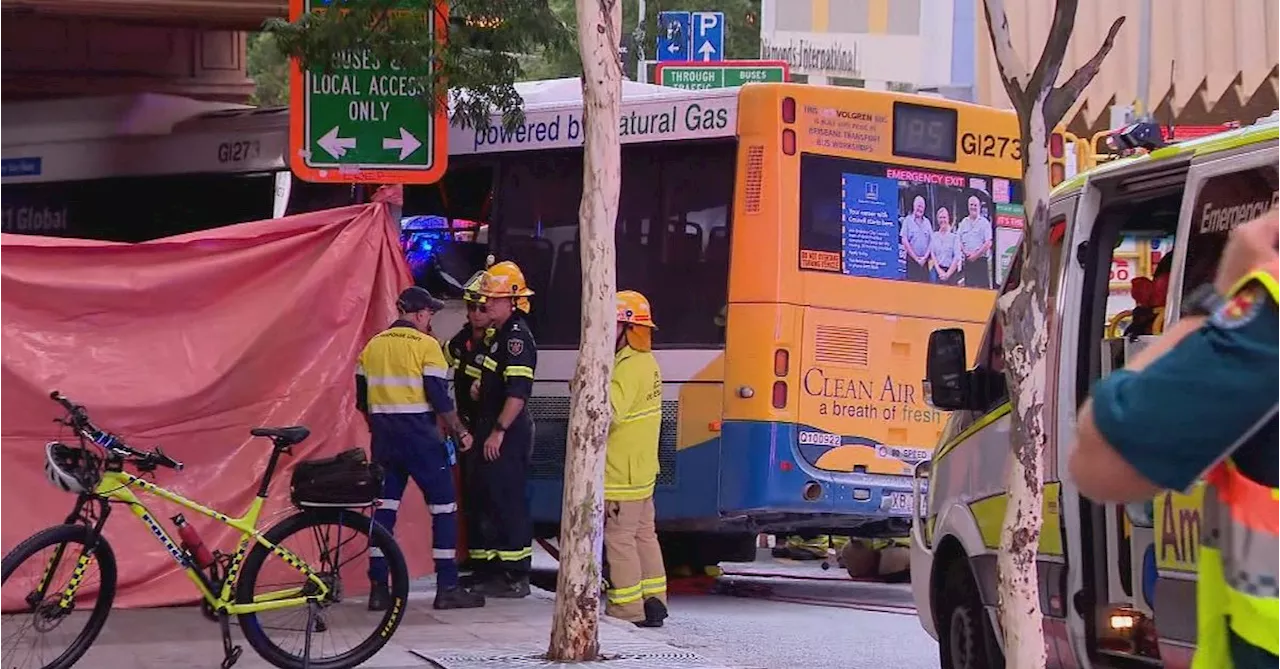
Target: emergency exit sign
720, 74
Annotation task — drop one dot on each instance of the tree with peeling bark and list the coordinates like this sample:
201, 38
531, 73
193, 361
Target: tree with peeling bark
575, 628
1041, 103
481, 60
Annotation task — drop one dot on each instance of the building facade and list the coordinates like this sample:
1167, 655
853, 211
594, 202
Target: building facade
1211, 61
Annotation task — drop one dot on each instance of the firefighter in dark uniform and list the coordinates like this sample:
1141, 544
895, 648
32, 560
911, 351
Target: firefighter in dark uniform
504, 438
401, 391
461, 353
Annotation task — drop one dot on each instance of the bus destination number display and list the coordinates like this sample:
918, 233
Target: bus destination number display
238, 152
990, 146
927, 133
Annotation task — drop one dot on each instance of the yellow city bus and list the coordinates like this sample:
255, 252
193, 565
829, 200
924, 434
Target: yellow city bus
829, 311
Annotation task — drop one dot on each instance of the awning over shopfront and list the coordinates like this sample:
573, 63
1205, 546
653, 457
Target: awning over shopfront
1212, 61
209, 14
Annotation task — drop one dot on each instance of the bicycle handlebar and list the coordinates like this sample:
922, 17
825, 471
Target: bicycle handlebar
110, 442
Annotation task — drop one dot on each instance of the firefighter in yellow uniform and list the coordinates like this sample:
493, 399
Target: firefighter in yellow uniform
637, 589
1146, 429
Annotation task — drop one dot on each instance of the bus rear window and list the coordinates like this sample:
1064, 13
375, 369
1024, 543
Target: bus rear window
880, 221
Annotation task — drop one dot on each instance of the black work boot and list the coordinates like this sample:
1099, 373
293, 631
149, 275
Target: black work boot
476, 579
379, 597
506, 586
654, 613
457, 597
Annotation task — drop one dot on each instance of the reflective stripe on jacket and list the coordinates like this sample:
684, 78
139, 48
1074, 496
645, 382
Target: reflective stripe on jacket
631, 462
1236, 588
394, 364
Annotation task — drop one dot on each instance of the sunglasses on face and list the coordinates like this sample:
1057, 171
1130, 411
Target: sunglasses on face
472, 307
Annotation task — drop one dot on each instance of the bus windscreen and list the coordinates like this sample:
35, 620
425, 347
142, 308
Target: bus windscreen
879, 221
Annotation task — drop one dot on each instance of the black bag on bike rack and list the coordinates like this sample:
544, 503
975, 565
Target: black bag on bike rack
344, 480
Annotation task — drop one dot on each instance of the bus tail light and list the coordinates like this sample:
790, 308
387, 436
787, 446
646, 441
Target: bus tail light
1057, 172
788, 110
779, 394
781, 362
1056, 145
789, 142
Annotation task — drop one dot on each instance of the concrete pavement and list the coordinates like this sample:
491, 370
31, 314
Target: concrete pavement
505, 633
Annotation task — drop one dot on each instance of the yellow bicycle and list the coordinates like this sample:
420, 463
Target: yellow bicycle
313, 602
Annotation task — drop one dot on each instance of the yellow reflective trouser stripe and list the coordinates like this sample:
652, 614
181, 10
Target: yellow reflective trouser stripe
641, 414
625, 595
472, 371
518, 370
505, 556
515, 556
654, 586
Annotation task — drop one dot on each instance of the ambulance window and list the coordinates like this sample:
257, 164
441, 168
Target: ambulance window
992, 358
1224, 202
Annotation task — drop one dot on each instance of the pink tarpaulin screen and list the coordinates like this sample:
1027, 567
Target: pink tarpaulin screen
187, 342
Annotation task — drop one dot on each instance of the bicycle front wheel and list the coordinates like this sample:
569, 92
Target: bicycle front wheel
335, 544
39, 631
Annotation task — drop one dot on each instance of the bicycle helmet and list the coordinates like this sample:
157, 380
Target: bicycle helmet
70, 469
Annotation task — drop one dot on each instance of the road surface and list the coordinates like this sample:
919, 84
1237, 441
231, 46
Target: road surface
767, 622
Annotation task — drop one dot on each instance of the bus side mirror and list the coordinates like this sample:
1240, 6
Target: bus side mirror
946, 370
453, 264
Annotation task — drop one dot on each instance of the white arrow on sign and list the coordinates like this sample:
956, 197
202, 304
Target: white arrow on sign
406, 144
706, 50
334, 145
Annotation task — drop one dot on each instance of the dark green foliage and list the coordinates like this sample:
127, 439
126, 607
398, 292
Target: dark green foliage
534, 39
486, 39
742, 39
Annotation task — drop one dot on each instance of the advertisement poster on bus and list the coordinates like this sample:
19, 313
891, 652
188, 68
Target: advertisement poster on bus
1008, 236
879, 221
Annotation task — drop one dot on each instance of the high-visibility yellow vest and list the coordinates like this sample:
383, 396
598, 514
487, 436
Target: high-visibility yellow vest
393, 365
1236, 591
631, 462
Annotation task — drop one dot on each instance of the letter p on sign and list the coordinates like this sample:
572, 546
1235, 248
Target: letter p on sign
707, 21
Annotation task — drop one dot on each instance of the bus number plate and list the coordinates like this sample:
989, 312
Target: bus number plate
900, 501
991, 146
238, 152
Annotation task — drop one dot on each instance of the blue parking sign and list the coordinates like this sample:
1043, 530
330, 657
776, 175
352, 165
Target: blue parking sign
708, 36
675, 35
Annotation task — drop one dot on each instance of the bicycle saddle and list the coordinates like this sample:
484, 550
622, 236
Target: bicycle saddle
284, 436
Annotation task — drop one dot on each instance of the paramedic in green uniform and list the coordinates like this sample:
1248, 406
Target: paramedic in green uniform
1200, 402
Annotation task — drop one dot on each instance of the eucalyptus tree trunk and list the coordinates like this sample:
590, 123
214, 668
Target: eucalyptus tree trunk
1040, 104
575, 629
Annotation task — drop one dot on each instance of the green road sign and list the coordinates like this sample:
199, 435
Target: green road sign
722, 74
365, 119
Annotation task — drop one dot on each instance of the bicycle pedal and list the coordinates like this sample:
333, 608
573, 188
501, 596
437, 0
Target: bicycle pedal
233, 656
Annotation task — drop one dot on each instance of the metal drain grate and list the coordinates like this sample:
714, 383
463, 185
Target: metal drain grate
673, 659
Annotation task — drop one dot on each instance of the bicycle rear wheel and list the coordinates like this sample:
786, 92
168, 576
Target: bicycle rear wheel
30, 608
336, 544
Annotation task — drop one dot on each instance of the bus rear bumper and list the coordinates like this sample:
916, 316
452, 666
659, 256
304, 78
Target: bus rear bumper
762, 474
